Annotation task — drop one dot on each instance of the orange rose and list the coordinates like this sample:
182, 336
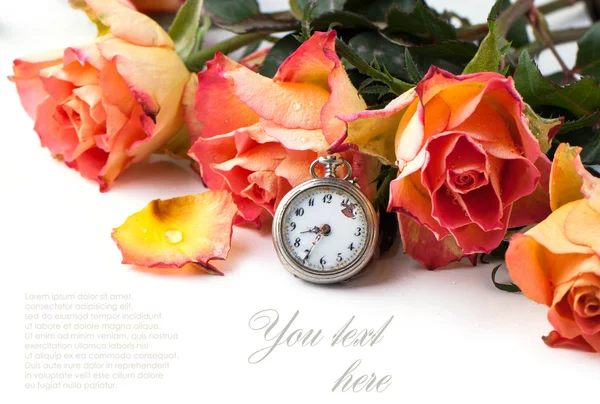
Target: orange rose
103, 106
469, 165
557, 263
257, 136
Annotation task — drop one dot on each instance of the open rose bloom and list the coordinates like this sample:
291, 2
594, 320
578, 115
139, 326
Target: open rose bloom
257, 136
557, 263
469, 166
103, 106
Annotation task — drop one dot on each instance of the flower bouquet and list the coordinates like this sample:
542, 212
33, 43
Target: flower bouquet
462, 146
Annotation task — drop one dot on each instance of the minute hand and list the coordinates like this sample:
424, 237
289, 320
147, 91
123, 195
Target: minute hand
319, 237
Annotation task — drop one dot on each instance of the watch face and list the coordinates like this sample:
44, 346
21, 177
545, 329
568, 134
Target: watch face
324, 229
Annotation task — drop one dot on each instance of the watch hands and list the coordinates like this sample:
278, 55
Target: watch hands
324, 230
314, 243
315, 230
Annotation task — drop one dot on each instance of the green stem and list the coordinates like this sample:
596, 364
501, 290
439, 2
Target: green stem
555, 6
558, 37
397, 86
509, 16
197, 59
512, 14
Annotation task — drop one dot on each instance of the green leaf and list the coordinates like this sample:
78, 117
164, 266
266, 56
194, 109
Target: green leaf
507, 287
232, 10
275, 22
322, 6
411, 67
517, 33
421, 21
278, 53
543, 129
588, 54
487, 58
378, 90
377, 10
184, 30
345, 19
369, 45
588, 139
581, 98
589, 120
373, 70
305, 25
456, 52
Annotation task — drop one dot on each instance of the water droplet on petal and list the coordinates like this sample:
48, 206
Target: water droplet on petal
296, 106
173, 236
143, 229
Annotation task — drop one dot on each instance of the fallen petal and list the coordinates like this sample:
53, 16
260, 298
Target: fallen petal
174, 232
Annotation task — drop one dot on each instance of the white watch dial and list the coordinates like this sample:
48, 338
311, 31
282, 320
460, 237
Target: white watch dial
324, 229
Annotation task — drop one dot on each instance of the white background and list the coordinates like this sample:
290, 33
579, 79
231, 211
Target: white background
454, 337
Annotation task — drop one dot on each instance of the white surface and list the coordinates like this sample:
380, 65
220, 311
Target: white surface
454, 337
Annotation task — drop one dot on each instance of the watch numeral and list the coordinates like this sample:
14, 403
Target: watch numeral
297, 242
293, 226
339, 257
327, 198
300, 212
322, 262
351, 246
311, 202
345, 202
358, 231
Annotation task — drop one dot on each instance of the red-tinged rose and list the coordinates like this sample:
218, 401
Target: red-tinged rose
469, 166
257, 136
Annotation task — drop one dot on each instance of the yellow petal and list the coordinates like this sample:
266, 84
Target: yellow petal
125, 22
590, 188
565, 182
178, 231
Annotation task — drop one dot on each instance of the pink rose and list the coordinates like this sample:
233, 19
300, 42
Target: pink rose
469, 166
257, 136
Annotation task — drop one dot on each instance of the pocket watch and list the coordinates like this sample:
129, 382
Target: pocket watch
325, 230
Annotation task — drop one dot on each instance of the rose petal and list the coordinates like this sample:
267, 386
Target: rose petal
535, 207
26, 78
295, 166
582, 226
408, 196
210, 151
565, 182
374, 131
296, 139
422, 245
447, 210
189, 113
591, 185
525, 262
311, 62
213, 92
120, 17
551, 232
298, 105
561, 313
174, 232
472, 239
555, 340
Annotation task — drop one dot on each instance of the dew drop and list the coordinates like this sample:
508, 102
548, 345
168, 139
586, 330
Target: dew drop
296, 106
173, 236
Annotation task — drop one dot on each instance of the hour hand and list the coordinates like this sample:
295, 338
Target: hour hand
315, 230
